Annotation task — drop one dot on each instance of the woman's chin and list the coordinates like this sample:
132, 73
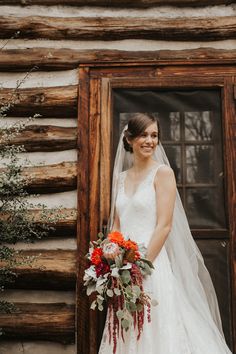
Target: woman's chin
146, 153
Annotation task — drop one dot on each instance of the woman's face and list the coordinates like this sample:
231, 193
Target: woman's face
145, 144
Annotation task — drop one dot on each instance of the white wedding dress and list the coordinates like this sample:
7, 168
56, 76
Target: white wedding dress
176, 327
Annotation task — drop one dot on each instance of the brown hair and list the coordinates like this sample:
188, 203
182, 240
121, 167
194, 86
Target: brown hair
137, 125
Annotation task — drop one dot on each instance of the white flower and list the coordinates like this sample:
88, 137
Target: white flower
111, 250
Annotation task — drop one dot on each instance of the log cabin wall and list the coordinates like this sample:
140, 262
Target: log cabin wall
58, 35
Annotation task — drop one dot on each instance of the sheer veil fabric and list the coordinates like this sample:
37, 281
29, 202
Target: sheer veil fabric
194, 284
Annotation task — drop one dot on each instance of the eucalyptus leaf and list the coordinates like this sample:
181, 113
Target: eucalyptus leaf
99, 301
100, 289
120, 314
115, 272
110, 293
127, 266
136, 290
93, 305
154, 302
101, 235
125, 276
100, 307
117, 291
100, 281
149, 263
90, 289
132, 307
139, 307
128, 290
100, 297
118, 261
125, 323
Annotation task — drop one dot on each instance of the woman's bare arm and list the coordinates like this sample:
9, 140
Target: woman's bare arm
116, 223
165, 186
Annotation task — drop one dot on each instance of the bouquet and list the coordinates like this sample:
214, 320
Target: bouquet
115, 274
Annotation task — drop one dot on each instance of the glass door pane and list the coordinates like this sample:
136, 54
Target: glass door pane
191, 133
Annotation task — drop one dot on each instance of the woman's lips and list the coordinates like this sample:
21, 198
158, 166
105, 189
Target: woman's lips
147, 147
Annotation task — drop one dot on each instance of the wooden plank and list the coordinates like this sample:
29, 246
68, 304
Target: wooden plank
117, 28
52, 178
229, 114
57, 101
118, 3
50, 269
82, 301
106, 155
46, 138
33, 321
168, 80
94, 183
65, 223
64, 58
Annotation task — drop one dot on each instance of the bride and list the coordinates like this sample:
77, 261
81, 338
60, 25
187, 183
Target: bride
146, 207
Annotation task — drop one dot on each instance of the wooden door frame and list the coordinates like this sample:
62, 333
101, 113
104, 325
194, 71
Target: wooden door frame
94, 157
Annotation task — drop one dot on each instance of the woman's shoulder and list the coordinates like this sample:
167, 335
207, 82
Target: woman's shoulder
164, 170
164, 174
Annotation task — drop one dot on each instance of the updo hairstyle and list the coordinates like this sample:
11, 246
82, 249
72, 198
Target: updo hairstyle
136, 126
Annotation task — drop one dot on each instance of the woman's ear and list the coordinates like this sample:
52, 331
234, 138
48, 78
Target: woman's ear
129, 141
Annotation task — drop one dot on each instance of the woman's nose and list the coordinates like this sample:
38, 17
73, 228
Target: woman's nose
149, 139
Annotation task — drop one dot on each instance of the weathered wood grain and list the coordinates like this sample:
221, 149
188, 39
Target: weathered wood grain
65, 223
118, 3
51, 178
64, 220
51, 321
46, 138
179, 77
57, 101
50, 269
229, 113
117, 28
83, 224
94, 186
65, 58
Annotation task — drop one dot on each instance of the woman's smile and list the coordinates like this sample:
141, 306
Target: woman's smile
147, 141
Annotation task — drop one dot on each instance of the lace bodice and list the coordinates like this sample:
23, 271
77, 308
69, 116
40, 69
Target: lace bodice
137, 213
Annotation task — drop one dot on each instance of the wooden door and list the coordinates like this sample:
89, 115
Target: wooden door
196, 115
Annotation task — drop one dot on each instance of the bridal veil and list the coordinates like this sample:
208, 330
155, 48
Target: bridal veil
193, 282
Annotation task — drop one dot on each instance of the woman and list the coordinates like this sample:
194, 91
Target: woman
146, 208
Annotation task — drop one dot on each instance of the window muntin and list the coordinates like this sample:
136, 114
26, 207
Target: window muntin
191, 135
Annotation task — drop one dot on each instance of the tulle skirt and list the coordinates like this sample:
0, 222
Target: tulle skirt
175, 327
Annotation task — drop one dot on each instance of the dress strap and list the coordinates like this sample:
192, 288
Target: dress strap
121, 180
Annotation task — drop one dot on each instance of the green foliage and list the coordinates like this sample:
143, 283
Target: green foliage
16, 223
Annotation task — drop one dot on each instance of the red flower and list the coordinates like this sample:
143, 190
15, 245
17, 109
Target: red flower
137, 255
116, 237
96, 256
102, 268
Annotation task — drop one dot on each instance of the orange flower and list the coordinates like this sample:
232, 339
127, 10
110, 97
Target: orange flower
131, 245
96, 256
116, 237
